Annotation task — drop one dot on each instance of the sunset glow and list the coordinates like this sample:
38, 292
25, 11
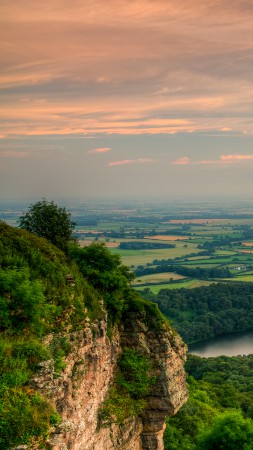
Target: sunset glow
136, 82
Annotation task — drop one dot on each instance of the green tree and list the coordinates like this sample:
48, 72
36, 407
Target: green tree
104, 272
48, 220
230, 431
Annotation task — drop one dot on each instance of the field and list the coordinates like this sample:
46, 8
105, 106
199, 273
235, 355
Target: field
140, 257
159, 278
170, 238
189, 284
207, 236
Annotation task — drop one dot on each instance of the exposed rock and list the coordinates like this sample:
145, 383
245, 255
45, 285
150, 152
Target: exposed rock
84, 384
167, 352
21, 447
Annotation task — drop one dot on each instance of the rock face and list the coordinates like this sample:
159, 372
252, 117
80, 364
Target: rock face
80, 390
169, 392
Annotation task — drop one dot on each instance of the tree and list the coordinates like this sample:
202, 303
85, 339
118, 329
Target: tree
230, 431
47, 220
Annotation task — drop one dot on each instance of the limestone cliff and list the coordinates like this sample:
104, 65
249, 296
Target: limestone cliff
81, 388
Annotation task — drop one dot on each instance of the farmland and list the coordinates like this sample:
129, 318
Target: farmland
217, 238
210, 242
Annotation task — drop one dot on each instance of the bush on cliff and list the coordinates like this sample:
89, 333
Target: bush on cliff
127, 397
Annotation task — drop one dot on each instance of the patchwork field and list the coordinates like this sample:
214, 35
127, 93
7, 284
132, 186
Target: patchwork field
206, 248
212, 242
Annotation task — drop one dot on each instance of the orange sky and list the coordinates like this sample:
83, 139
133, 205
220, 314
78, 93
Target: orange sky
124, 68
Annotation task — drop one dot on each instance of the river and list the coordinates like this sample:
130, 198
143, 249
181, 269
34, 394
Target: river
228, 345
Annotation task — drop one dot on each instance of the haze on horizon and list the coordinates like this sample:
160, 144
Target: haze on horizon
126, 98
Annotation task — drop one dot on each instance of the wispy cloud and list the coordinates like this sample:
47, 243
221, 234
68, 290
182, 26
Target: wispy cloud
224, 159
13, 154
235, 158
183, 161
65, 69
99, 150
131, 161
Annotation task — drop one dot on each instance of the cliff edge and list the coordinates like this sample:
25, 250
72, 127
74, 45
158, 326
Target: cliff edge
86, 363
82, 387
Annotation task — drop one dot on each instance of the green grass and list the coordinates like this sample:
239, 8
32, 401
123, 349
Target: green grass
248, 278
158, 277
234, 259
225, 252
190, 284
142, 257
209, 261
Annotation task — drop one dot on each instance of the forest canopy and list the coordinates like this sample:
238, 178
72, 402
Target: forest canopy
207, 311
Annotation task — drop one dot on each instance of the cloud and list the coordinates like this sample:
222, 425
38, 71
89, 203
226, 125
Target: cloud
14, 154
65, 69
99, 150
235, 158
120, 163
131, 161
224, 159
184, 160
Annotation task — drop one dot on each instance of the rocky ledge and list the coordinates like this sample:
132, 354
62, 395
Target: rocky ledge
81, 388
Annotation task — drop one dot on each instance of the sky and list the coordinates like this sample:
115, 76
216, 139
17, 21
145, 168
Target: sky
126, 98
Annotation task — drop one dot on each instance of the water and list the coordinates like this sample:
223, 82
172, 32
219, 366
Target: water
228, 345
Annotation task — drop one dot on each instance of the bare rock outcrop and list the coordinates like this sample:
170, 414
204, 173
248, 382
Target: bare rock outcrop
167, 352
81, 388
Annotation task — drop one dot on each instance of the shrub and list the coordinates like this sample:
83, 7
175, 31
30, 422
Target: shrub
127, 397
23, 416
134, 373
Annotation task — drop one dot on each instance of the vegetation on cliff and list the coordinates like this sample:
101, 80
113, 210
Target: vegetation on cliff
132, 384
44, 290
112, 280
36, 298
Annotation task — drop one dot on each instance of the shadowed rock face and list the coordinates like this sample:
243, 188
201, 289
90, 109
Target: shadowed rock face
80, 390
169, 393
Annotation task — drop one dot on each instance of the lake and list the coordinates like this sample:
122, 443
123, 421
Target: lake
228, 345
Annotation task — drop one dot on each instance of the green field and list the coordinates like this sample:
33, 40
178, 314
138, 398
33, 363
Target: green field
225, 237
245, 277
158, 278
215, 228
189, 284
142, 257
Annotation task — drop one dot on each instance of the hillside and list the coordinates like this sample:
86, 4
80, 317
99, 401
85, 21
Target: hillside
84, 360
